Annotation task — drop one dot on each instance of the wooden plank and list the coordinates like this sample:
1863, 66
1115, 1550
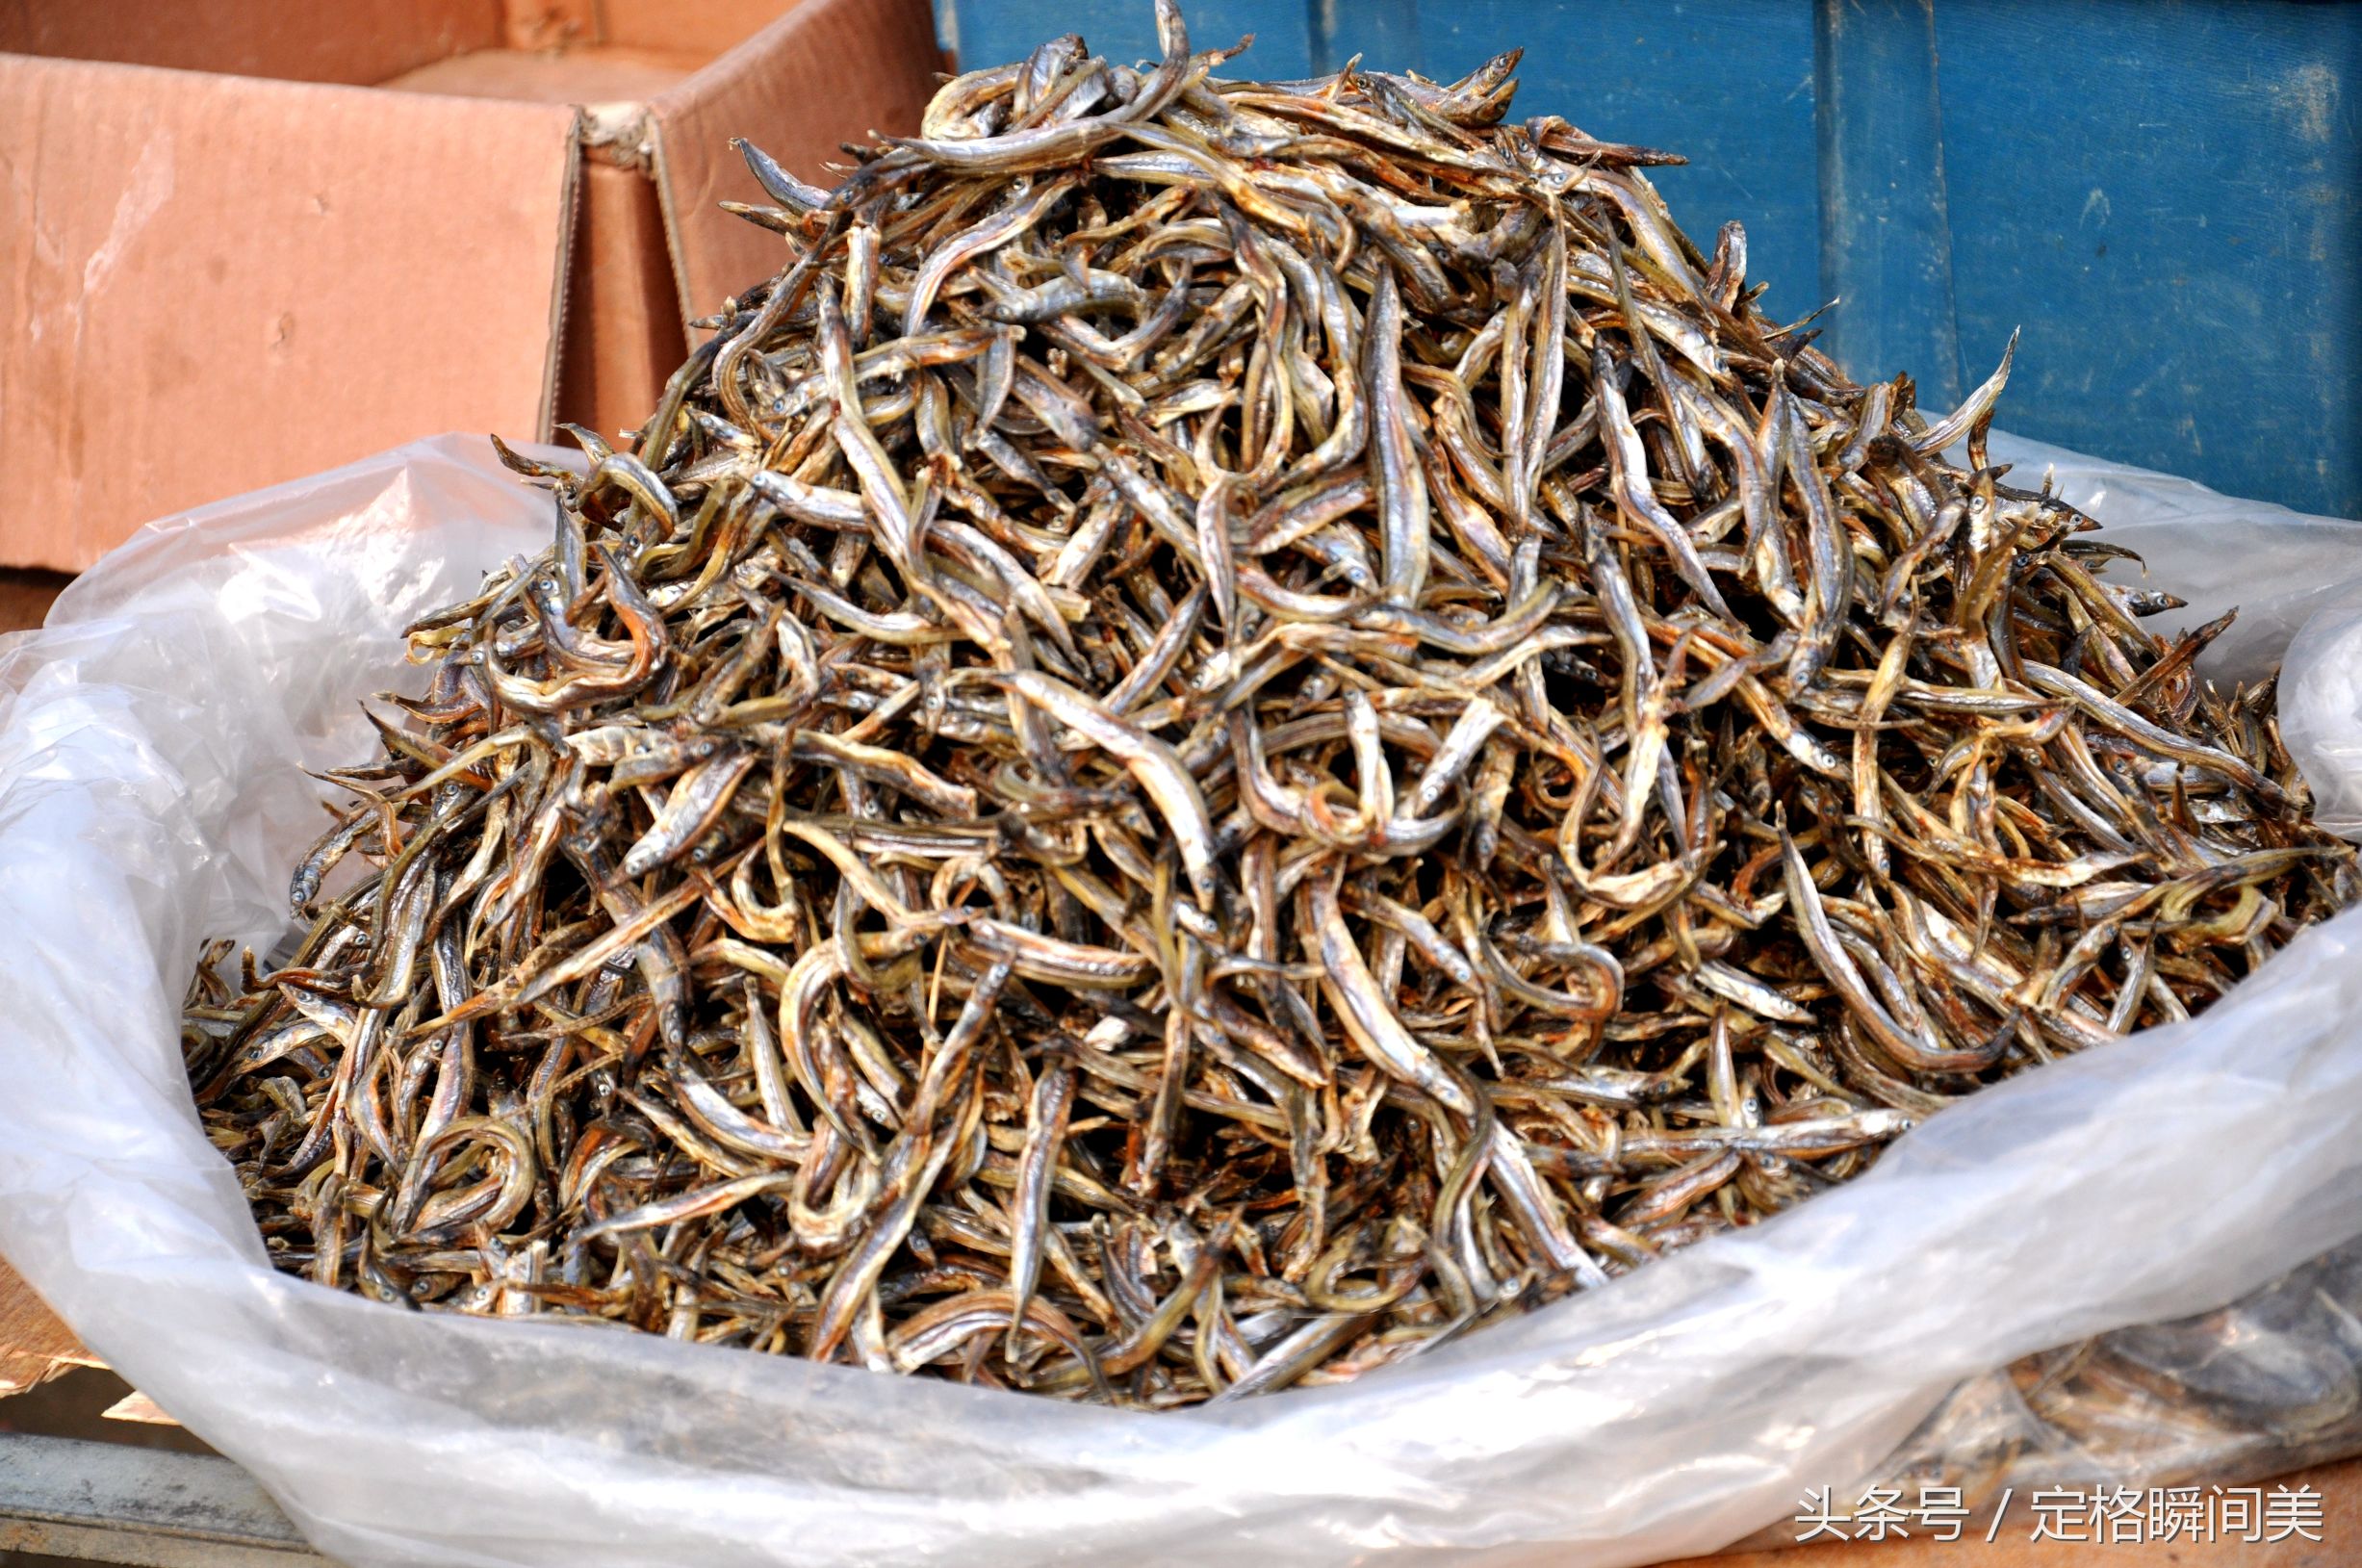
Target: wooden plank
1884, 231
66, 1497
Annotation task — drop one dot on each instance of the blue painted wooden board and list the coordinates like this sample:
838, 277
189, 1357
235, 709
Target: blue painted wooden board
2165, 195
989, 32
1695, 78
2184, 243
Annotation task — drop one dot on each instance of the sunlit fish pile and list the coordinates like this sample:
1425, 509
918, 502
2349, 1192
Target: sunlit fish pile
1235, 727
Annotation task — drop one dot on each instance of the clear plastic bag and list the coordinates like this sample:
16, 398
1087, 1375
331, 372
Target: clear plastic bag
2265, 1386
149, 798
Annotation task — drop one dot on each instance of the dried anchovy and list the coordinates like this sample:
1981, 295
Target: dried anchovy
1235, 727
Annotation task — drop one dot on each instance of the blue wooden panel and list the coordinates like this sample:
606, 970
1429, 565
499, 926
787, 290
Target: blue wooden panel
2165, 193
1384, 32
995, 31
2168, 196
1884, 222
1728, 83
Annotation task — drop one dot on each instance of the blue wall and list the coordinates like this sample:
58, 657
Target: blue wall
2167, 194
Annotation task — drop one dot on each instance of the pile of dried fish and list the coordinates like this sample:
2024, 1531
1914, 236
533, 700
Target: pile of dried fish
1235, 726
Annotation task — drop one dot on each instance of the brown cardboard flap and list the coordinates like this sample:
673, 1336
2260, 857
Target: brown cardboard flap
35, 1346
200, 266
586, 75
828, 71
368, 40
709, 26
623, 321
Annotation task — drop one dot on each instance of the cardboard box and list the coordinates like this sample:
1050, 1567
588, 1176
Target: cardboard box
239, 247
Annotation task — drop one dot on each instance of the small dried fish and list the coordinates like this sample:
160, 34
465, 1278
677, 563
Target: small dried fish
1238, 726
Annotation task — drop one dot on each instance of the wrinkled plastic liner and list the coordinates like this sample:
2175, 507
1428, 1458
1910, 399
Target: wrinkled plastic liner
150, 797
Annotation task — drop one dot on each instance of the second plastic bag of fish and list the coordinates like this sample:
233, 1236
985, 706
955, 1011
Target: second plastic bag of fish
149, 799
